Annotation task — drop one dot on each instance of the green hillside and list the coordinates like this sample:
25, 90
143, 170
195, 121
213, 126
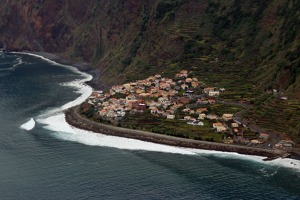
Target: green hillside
250, 47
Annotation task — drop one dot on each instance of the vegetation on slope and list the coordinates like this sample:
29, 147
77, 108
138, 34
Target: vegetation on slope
248, 46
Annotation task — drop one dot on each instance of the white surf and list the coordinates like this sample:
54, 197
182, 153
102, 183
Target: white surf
28, 125
62, 130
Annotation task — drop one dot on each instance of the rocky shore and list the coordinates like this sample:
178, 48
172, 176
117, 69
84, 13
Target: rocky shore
75, 119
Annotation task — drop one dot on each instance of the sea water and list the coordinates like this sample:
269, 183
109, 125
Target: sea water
42, 157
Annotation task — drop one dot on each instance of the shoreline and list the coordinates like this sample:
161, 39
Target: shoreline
75, 119
81, 66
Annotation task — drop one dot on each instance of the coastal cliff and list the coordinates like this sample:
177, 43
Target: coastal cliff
128, 40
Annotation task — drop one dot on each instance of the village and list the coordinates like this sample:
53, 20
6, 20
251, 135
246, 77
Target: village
185, 99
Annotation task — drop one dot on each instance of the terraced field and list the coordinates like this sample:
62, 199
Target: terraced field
278, 116
186, 28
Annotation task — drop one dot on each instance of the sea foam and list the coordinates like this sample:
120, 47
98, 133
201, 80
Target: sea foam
28, 125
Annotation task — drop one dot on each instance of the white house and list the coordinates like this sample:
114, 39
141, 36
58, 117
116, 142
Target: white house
213, 93
202, 116
227, 117
121, 114
198, 123
187, 117
234, 125
170, 116
221, 128
211, 116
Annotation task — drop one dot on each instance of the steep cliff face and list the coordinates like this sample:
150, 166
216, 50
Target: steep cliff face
130, 39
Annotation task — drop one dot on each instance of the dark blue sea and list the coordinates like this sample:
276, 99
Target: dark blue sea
42, 157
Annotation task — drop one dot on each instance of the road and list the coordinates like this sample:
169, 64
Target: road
246, 123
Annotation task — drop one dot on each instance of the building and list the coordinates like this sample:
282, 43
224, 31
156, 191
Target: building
153, 109
170, 116
215, 125
201, 110
194, 84
211, 116
213, 93
206, 90
184, 86
264, 136
198, 123
219, 126
141, 107
188, 80
227, 117
256, 142
202, 116
234, 125
187, 117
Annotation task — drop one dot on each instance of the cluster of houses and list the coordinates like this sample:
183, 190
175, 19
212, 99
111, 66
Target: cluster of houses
184, 98
159, 95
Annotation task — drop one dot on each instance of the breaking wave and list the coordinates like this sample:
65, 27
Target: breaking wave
64, 131
28, 125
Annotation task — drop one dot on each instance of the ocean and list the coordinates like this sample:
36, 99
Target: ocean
42, 157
